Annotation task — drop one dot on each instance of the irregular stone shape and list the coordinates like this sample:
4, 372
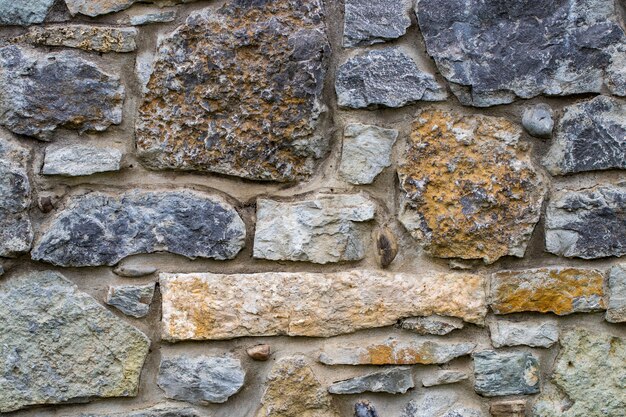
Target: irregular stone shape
259, 352
469, 187
366, 152
294, 391
388, 78
429, 405
590, 136
59, 90
386, 246
505, 373
495, 52
616, 309
587, 224
24, 13
589, 372
134, 271
215, 306
16, 233
547, 290
60, 345
437, 325
391, 381
507, 333
163, 16
364, 409
132, 300
89, 38
100, 7
161, 410
463, 412
538, 121
100, 229
78, 160
321, 229
255, 111
200, 380
443, 378
368, 22
508, 408
396, 352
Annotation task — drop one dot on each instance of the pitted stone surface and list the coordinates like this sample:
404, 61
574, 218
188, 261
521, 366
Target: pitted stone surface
366, 152
23, 12
437, 325
89, 38
616, 309
391, 381
254, 111
132, 300
469, 187
528, 333
370, 22
101, 229
505, 373
78, 160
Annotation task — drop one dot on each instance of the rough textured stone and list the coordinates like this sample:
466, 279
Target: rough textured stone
77, 160
100, 7
132, 300
505, 373
161, 410
100, 229
437, 325
254, 111
259, 352
388, 78
616, 309
215, 306
508, 408
528, 333
369, 22
557, 290
44, 92
590, 136
589, 371
391, 381
366, 152
200, 380
24, 13
294, 391
396, 352
587, 224
321, 229
469, 187
493, 52
364, 409
60, 345
163, 16
133, 271
429, 405
538, 121
463, 412
443, 378
89, 38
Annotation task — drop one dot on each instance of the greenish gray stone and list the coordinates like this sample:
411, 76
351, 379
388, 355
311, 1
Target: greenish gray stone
616, 309
505, 373
443, 377
161, 410
24, 12
366, 152
132, 300
391, 381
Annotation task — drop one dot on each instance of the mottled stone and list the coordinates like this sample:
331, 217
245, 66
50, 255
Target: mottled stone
388, 78
589, 372
469, 187
78, 160
132, 300
443, 378
321, 229
590, 136
100, 7
429, 405
24, 13
536, 334
437, 325
101, 229
547, 290
259, 352
200, 380
538, 121
294, 391
133, 271
616, 309
463, 412
60, 345
364, 409
587, 224
366, 152
163, 16
161, 410
505, 373
215, 306
254, 112
369, 22
508, 408
89, 38
495, 52
392, 381
44, 92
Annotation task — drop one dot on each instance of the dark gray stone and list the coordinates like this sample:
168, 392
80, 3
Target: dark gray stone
388, 78
368, 22
100, 229
538, 121
132, 300
364, 409
24, 12
161, 410
505, 373
391, 381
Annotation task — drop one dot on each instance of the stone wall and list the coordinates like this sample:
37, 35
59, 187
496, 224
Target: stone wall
307, 208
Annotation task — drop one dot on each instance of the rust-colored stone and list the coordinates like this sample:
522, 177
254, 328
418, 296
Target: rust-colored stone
386, 247
259, 352
508, 408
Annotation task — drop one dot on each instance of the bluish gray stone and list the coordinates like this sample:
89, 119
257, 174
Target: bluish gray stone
391, 381
364, 409
437, 325
505, 373
79, 160
429, 404
161, 410
24, 12
368, 22
538, 121
507, 333
616, 309
443, 377
163, 16
132, 300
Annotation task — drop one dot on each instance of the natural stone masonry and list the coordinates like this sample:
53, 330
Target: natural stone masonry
391, 381
215, 306
60, 345
538, 120
364, 409
78, 160
443, 378
587, 224
368, 23
253, 112
132, 300
101, 229
469, 188
89, 38
507, 333
100, 7
162, 16
508, 408
547, 290
321, 229
42, 93
505, 373
616, 309
493, 52
366, 152
161, 410
436, 325
429, 405
24, 13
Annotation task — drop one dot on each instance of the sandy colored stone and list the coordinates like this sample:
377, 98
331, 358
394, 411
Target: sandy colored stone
259, 352
89, 38
508, 408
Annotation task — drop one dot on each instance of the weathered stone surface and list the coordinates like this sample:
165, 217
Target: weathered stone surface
493, 52
100, 7
556, 290
437, 325
132, 300
469, 187
369, 22
589, 371
24, 13
16, 234
505, 373
59, 345
161, 410
133, 271
366, 152
89, 38
616, 309
294, 391
215, 306
391, 381
396, 352
387, 77
364, 409
162, 16
259, 352
508, 408
443, 378
528, 333
321, 229
590, 136
587, 224
386, 246
77, 160
429, 405
463, 412
44, 92
200, 380
255, 110
538, 121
